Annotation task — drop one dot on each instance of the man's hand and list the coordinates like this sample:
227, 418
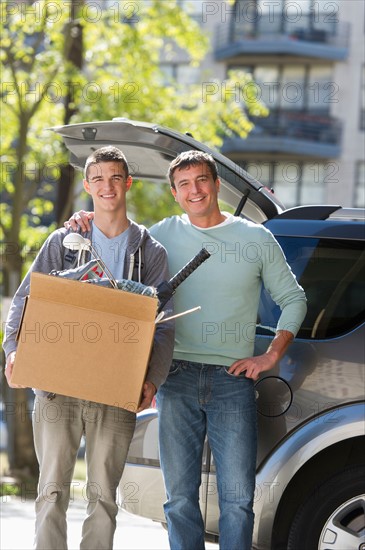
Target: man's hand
148, 393
252, 367
81, 219
9, 370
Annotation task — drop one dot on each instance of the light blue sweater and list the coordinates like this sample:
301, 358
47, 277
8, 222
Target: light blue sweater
227, 287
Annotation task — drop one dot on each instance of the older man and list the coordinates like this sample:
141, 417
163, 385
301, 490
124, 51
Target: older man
210, 387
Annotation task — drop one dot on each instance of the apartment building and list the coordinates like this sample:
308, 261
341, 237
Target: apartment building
307, 59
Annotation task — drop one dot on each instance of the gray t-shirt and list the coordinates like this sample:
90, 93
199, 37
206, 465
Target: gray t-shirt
112, 251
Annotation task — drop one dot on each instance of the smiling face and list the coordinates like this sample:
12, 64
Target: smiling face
196, 191
107, 184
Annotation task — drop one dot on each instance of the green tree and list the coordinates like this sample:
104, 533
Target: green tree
32, 73
126, 77
68, 62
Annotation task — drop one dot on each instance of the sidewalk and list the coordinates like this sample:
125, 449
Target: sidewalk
132, 533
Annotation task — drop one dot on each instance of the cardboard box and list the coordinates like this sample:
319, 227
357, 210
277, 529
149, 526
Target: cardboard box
83, 340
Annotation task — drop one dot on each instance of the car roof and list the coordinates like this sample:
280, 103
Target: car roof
324, 221
149, 149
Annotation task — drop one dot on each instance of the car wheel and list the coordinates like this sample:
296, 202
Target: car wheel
333, 517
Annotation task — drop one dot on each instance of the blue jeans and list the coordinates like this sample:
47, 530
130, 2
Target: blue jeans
199, 400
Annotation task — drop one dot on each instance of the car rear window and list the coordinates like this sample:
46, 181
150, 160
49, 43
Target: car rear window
332, 273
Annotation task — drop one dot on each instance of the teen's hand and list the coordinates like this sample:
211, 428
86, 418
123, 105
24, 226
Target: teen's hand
148, 393
9, 370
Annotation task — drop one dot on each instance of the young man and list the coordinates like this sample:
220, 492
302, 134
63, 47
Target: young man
210, 387
107, 430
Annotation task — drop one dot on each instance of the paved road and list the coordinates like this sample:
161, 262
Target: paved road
133, 533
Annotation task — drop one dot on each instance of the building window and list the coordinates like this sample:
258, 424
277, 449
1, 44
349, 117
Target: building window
295, 87
267, 79
321, 90
293, 183
360, 185
312, 183
286, 184
314, 19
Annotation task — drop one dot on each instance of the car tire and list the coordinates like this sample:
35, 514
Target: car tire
333, 516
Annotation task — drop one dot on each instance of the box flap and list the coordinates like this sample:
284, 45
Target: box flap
21, 318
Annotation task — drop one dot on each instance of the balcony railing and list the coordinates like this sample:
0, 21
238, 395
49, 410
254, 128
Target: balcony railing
308, 126
319, 36
293, 132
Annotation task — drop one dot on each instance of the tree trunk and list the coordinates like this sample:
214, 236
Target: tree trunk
73, 53
23, 465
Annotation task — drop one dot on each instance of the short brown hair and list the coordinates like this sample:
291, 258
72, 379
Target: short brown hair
191, 158
106, 154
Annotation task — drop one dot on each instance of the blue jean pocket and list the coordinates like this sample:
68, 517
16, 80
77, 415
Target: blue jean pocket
239, 377
175, 368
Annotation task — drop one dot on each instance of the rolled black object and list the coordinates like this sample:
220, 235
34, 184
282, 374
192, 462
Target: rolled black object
166, 289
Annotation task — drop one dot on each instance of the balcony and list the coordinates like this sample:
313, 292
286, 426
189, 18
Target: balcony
308, 36
291, 133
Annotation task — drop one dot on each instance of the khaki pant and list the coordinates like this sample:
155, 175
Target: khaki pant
58, 426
